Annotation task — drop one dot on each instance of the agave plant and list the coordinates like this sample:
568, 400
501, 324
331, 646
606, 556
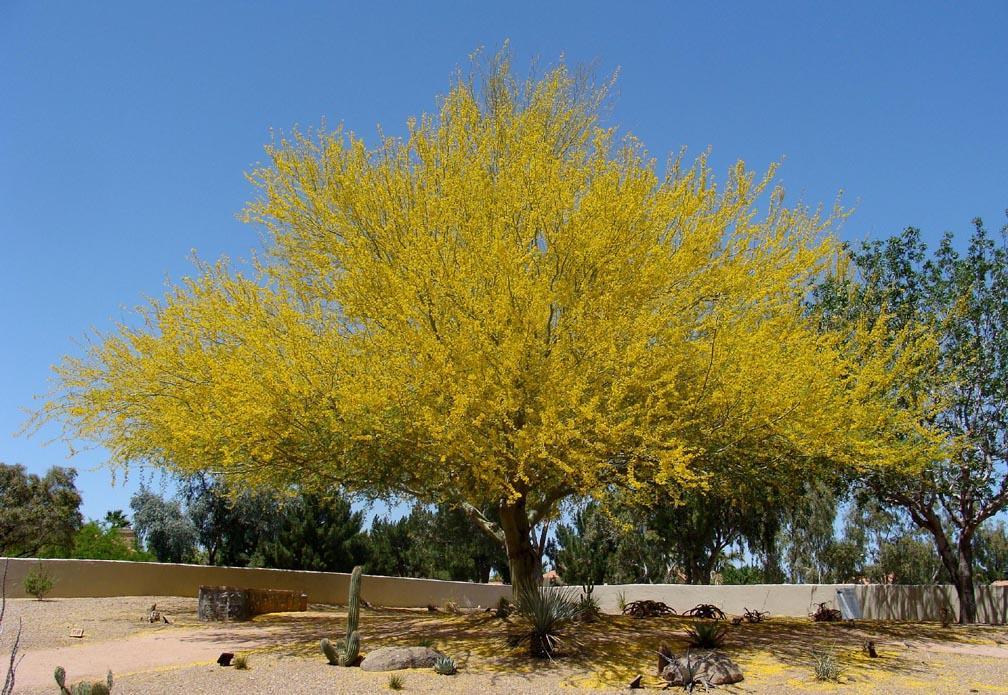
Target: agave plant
445, 666
544, 612
706, 634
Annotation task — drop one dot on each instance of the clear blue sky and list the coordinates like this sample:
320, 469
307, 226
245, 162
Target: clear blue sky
126, 128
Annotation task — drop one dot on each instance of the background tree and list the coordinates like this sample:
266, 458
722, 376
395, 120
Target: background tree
965, 296
316, 533
102, 541
163, 528
397, 548
116, 518
231, 524
505, 309
991, 552
39, 515
585, 551
437, 543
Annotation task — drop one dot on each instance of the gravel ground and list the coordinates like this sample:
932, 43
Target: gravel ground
48, 623
283, 652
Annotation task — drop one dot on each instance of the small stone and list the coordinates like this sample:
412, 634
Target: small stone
225, 659
77, 632
711, 668
395, 658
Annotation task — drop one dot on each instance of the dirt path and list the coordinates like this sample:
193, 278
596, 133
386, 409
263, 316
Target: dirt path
184, 646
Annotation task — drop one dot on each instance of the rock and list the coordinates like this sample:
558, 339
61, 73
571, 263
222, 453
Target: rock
711, 668
395, 658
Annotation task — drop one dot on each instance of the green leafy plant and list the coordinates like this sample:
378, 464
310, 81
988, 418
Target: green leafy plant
395, 682
38, 582
826, 665
706, 634
621, 601
445, 666
82, 688
241, 662
346, 652
544, 612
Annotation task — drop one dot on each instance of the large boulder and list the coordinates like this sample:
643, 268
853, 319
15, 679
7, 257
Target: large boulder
710, 668
395, 658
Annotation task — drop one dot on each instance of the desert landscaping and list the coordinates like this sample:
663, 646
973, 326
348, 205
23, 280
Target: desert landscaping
776, 656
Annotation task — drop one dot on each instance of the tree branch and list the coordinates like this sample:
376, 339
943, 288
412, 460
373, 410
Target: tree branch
488, 527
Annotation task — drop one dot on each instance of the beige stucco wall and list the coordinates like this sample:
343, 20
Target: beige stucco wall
76, 578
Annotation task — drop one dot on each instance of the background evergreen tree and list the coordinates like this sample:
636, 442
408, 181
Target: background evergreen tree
316, 533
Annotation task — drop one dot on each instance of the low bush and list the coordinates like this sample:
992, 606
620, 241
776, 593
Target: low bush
38, 582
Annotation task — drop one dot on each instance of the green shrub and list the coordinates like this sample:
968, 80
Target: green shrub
38, 582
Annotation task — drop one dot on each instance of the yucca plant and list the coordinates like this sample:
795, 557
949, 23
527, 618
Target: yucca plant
826, 665
544, 612
706, 634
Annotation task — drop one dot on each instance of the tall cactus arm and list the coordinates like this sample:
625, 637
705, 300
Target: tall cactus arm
353, 607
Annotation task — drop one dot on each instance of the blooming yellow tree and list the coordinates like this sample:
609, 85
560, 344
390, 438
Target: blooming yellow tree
506, 308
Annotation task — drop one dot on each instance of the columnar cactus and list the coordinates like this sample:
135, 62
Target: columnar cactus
346, 651
83, 688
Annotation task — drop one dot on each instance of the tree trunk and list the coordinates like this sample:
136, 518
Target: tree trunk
964, 583
526, 567
958, 562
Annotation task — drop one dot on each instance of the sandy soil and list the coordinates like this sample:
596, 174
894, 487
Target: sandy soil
601, 657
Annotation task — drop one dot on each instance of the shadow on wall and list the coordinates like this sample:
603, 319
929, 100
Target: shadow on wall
925, 603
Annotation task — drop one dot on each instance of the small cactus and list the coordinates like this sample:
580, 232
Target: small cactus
331, 650
83, 688
445, 666
346, 652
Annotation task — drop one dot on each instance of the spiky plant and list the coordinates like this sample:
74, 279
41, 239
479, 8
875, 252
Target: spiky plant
706, 634
588, 608
241, 662
621, 602
544, 612
826, 665
445, 666
82, 688
346, 652
395, 682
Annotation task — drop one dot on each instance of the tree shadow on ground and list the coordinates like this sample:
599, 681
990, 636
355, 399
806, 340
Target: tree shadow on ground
612, 650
